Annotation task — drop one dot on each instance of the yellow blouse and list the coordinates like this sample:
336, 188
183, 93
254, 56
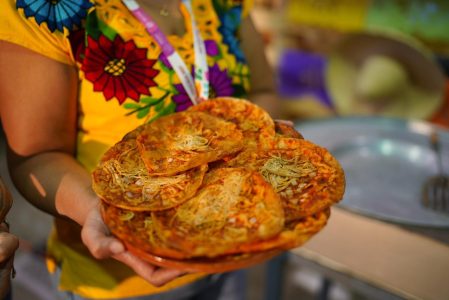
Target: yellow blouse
125, 81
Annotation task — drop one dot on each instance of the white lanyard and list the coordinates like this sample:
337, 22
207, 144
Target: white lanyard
197, 88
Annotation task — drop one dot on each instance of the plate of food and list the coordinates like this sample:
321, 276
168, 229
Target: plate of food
216, 188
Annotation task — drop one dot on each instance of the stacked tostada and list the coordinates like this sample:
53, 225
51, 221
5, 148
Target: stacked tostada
221, 182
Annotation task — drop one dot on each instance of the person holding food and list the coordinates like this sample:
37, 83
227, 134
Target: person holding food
75, 77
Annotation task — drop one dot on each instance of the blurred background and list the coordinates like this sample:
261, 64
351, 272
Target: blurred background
319, 48
368, 80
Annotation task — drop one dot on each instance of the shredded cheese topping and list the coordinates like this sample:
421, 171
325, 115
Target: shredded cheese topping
154, 185
126, 216
123, 177
211, 207
281, 172
189, 142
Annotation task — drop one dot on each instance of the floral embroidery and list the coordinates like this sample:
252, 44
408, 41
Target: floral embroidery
158, 105
211, 48
57, 14
220, 83
230, 14
182, 100
227, 4
136, 70
220, 86
229, 28
163, 58
118, 69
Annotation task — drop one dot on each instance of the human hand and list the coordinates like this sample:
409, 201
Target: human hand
96, 236
8, 245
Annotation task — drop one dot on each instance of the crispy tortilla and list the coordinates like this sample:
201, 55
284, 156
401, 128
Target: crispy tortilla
307, 177
122, 180
254, 122
185, 140
233, 207
136, 229
294, 234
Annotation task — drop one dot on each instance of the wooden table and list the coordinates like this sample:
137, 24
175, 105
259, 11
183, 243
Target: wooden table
379, 255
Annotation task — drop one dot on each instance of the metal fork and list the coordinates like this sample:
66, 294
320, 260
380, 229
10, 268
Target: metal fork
436, 189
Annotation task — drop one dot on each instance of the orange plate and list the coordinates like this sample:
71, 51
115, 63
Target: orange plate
206, 265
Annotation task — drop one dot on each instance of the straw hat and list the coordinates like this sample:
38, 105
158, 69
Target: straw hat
385, 74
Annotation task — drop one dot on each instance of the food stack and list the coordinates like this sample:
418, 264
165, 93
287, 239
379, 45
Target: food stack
217, 187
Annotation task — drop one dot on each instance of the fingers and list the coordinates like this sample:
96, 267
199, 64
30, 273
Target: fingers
95, 236
154, 275
8, 245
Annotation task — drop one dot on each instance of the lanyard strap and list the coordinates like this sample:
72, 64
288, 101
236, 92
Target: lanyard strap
197, 88
201, 67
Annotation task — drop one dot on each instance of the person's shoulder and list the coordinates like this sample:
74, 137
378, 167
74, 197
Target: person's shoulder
43, 26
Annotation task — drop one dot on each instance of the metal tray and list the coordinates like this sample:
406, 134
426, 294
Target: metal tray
386, 162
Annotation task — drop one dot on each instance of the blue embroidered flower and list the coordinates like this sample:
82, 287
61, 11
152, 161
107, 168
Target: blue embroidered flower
230, 22
57, 14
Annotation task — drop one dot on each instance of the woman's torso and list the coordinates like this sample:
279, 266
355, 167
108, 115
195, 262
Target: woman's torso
125, 81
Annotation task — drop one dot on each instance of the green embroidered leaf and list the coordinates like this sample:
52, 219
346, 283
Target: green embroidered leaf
92, 25
96, 27
165, 68
107, 31
169, 109
143, 112
149, 101
158, 107
143, 108
131, 106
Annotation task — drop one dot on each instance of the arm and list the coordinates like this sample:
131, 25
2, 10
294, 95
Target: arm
263, 88
38, 109
38, 114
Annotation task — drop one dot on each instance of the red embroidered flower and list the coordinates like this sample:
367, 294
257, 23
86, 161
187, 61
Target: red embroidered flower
118, 69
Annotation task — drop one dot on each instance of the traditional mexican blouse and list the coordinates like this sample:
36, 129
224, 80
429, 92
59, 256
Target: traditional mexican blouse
124, 81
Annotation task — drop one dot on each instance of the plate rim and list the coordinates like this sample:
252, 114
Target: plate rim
419, 127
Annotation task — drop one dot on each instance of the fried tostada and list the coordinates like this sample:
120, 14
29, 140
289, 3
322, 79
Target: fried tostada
121, 179
136, 228
221, 184
181, 141
233, 206
254, 122
307, 177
